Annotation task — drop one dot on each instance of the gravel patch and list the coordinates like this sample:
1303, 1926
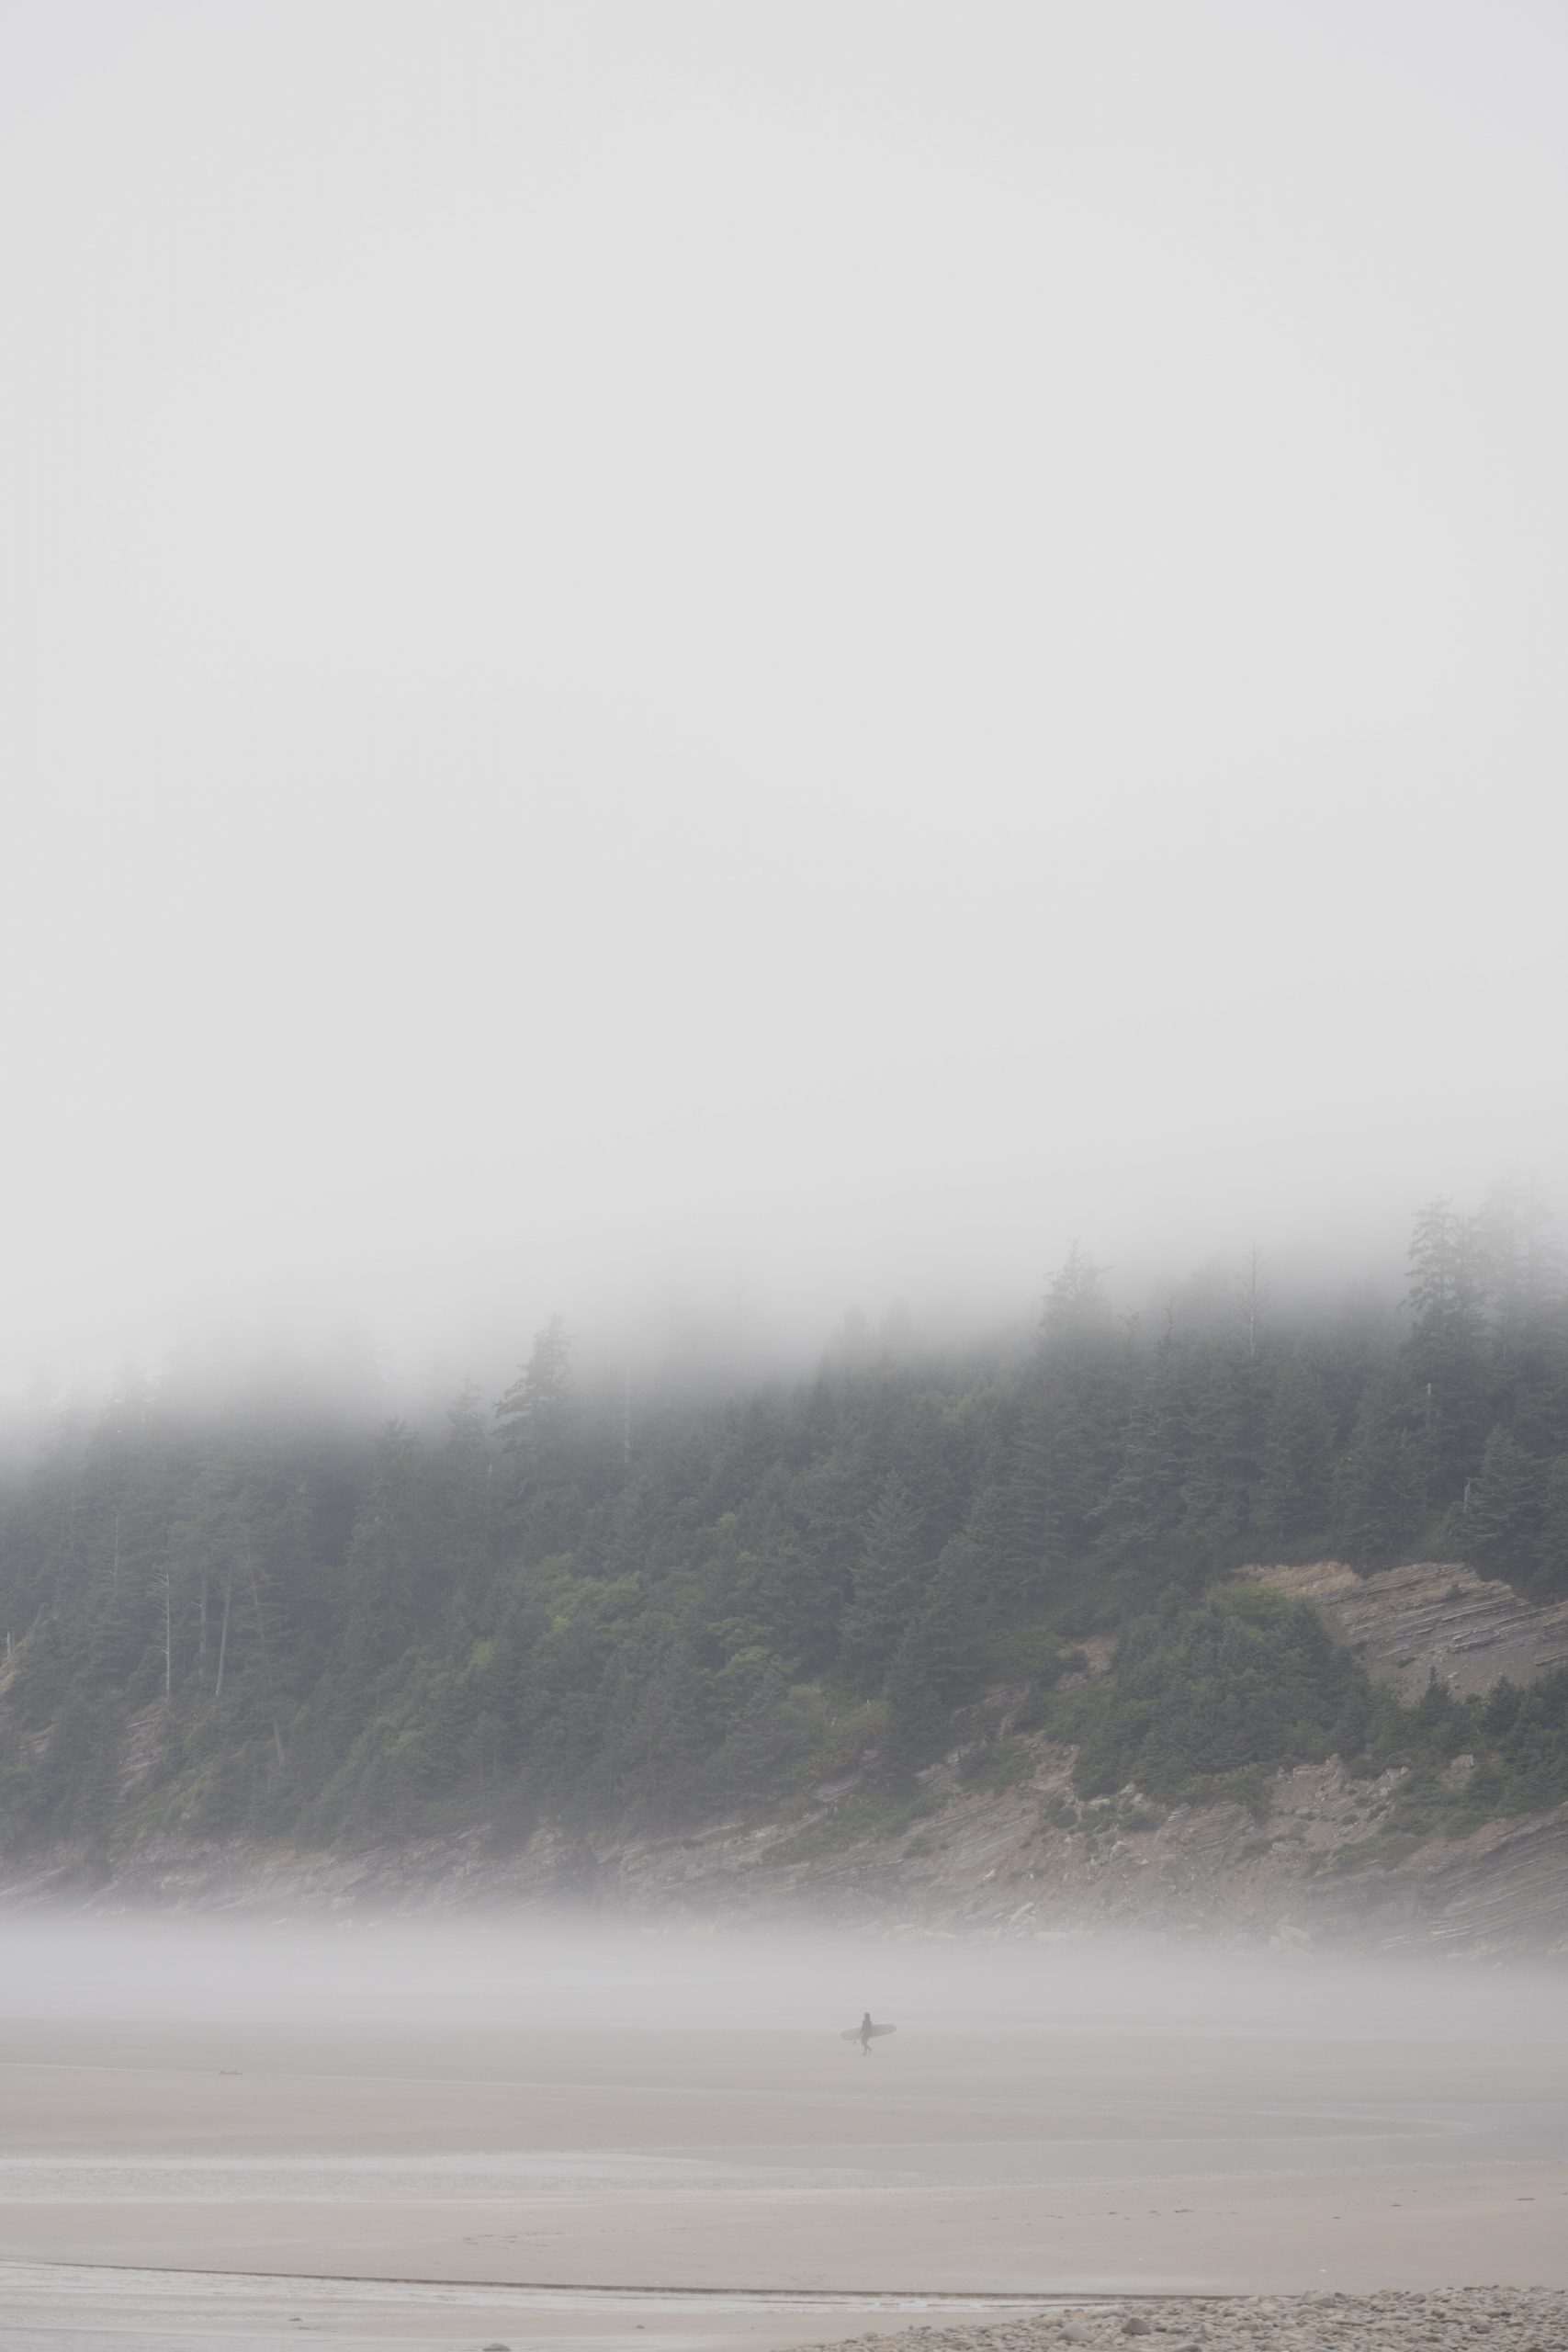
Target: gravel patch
1512, 2319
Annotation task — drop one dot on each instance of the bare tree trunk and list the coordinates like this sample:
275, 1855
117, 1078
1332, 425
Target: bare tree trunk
1254, 1298
223, 1636
168, 1633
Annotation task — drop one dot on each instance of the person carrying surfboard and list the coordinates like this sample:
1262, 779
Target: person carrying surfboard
865, 2033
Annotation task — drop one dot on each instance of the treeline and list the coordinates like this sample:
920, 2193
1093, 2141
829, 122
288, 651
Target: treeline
598, 1600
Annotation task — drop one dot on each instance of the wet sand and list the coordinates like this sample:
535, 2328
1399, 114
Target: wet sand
964, 2163
66, 2308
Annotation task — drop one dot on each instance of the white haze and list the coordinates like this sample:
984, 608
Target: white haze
547, 1971
784, 654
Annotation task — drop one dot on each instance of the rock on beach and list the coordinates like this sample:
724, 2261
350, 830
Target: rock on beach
1510, 2319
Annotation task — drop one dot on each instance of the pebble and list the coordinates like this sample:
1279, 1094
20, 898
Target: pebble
1451, 2319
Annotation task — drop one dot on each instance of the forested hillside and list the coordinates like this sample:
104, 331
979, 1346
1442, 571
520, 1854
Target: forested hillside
607, 1604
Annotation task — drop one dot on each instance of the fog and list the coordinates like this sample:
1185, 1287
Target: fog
786, 655
501, 2106
564, 1972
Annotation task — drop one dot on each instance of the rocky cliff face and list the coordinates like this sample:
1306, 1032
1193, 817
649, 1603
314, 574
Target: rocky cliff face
1000, 1866
1027, 1862
1405, 1624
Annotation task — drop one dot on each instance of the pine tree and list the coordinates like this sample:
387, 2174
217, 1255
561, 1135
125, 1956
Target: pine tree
1294, 1502
1138, 1519
1502, 1510
1381, 1491
535, 1417
1075, 1321
1524, 1277
385, 1554
997, 1546
1055, 1489
1550, 1562
1066, 1446
1447, 1352
939, 1662
539, 1424
1225, 1439
888, 1580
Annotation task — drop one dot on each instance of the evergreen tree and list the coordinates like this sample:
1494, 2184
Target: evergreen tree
385, 1554
1447, 1347
1294, 1502
1502, 1509
535, 1415
939, 1662
888, 1580
1068, 1426
1380, 1491
539, 1424
1225, 1433
1075, 1321
1137, 1522
996, 1546
1550, 1568
1529, 1317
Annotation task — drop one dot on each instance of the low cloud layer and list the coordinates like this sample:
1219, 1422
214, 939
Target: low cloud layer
787, 656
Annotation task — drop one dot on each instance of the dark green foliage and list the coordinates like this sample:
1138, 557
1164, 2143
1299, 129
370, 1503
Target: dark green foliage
1447, 1352
1225, 1439
1205, 1700
1381, 1488
1521, 1737
1072, 1412
535, 1416
940, 1661
1550, 1566
1501, 1515
1293, 1504
607, 1604
1137, 1520
890, 1576
1245, 1677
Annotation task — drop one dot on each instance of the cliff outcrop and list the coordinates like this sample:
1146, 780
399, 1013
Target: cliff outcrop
1432, 1618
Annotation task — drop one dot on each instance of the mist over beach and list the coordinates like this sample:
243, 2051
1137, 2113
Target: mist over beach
578, 2100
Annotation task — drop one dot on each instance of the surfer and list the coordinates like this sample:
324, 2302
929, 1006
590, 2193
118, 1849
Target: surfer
863, 2037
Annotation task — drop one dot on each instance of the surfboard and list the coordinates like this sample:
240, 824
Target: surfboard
854, 2032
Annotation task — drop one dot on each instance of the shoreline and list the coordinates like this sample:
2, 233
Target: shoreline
134, 2308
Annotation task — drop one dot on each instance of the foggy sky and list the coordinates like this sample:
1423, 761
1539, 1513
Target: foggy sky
790, 651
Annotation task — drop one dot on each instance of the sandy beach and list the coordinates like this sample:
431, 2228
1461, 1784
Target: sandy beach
666, 2182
